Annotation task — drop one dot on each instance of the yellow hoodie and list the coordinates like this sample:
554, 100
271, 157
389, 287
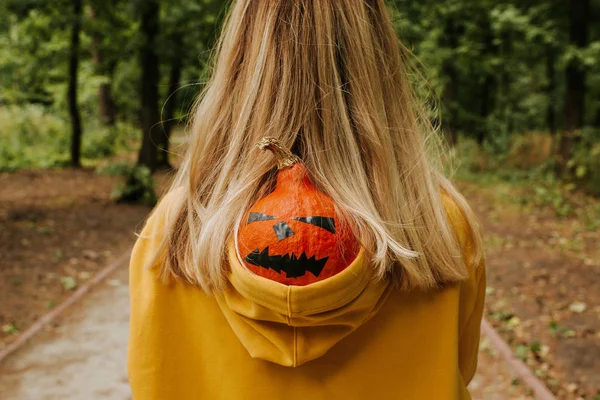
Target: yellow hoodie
346, 337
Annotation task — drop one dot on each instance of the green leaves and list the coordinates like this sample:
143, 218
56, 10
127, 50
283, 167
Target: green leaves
32, 136
502, 61
137, 185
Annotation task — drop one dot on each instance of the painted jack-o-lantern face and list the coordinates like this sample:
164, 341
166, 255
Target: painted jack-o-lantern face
291, 235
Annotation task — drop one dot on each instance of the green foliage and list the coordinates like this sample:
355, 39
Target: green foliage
137, 185
497, 68
528, 163
21, 77
489, 62
586, 161
34, 43
32, 136
551, 193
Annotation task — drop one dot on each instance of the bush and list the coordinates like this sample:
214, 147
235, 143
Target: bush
530, 157
29, 137
529, 151
586, 161
33, 136
471, 158
137, 185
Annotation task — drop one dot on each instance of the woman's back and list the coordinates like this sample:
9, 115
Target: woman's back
219, 312
346, 337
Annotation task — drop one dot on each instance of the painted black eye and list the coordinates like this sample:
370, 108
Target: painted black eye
256, 216
282, 230
326, 223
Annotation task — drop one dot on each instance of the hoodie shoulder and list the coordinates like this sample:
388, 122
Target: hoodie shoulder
152, 234
456, 218
466, 233
160, 212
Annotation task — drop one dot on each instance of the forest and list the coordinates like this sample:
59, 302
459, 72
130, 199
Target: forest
81, 79
95, 96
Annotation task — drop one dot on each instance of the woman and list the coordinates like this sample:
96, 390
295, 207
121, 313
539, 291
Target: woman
344, 266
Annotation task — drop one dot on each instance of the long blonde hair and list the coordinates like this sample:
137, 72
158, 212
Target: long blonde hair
328, 78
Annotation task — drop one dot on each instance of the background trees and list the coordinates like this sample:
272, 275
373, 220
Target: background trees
73, 79
500, 69
507, 68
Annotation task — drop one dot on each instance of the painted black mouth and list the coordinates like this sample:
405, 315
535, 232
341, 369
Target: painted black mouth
291, 264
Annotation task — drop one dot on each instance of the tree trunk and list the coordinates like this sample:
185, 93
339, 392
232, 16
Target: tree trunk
106, 105
579, 11
486, 107
551, 88
72, 91
150, 115
451, 87
487, 88
169, 121
507, 105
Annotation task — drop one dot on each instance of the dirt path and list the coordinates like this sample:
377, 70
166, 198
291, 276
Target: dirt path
542, 289
543, 292
494, 379
57, 229
84, 358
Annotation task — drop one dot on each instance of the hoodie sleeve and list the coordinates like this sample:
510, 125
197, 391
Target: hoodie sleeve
472, 295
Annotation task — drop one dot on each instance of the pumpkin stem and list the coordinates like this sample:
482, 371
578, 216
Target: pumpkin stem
285, 158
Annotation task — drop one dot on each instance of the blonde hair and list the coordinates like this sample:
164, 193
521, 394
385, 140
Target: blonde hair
328, 79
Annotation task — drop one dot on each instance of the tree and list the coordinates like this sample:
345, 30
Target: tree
169, 120
188, 29
551, 88
104, 65
72, 91
450, 92
579, 12
150, 79
488, 84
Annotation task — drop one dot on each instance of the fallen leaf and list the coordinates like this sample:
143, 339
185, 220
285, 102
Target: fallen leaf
569, 333
90, 255
571, 387
514, 322
68, 283
84, 275
115, 282
578, 307
522, 352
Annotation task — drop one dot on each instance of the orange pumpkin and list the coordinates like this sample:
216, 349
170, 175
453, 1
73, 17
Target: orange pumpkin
291, 235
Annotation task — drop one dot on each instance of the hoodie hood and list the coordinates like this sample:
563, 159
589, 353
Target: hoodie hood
291, 325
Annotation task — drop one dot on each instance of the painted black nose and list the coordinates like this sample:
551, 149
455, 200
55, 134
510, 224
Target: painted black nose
282, 230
